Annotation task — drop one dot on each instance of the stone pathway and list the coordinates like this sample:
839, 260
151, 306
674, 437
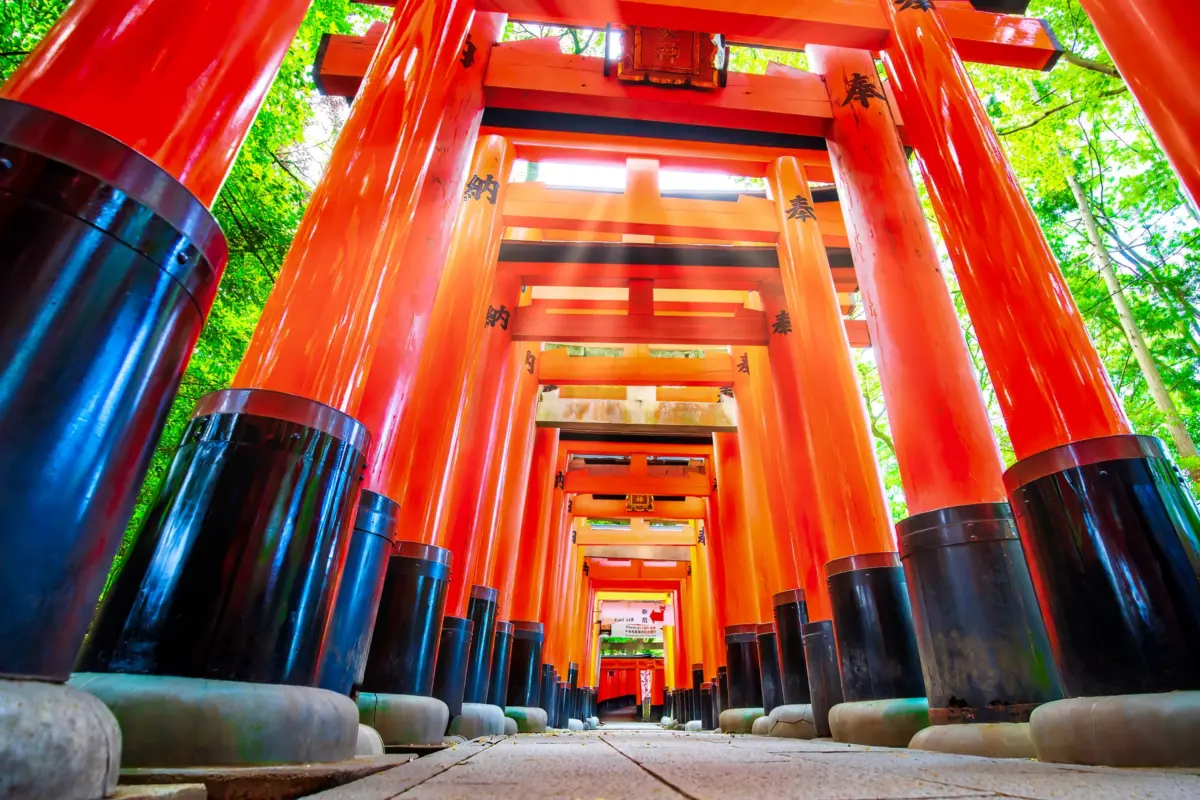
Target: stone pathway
648, 765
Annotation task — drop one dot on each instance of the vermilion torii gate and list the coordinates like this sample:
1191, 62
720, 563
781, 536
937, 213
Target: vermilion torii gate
378, 447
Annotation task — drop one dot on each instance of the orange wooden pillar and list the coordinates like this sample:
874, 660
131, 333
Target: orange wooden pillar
277, 501
117, 134
871, 612
742, 598
506, 513
1077, 460
558, 576
536, 534
949, 462
417, 465
1153, 48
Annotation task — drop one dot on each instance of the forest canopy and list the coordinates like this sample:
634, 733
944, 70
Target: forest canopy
1076, 123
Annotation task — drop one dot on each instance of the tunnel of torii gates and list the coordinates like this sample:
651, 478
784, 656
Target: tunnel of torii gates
379, 472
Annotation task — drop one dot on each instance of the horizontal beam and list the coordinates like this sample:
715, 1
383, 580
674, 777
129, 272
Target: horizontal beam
526, 75
531, 325
587, 506
789, 25
555, 367
592, 147
694, 448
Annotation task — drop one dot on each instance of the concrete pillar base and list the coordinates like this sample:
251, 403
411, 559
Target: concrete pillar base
1133, 730
404, 718
56, 743
881, 723
695, 726
594, 722
761, 726
575, 725
987, 739
510, 727
478, 719
529, 719
739, 720
191, 722
796, 721
370, 743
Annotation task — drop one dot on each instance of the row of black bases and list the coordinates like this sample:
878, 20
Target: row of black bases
1094, 579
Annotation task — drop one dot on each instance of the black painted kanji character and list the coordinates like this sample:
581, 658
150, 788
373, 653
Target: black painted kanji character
861, 88
530, 361
572, 532
560, 480
782, 323
477, 187
700, 536
689, 570
726, 391
468, 53
743, 365
585, 568
497, 315
920, 5
801, 209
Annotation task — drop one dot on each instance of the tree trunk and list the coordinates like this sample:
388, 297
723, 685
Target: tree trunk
1158, 390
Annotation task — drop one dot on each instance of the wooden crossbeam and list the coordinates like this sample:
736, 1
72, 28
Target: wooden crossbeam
979, 36
588, 506
531, 324
555, 367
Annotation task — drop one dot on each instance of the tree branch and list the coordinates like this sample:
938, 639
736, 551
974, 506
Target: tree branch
1051, 112
1087, 63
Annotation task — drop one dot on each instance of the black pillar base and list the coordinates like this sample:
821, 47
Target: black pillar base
707, 720
450, 673
741, 657
235, 572
109, 267
562, 698
697, 682
715, 700
497, 694
1112, 539
481, 609
548, 695
723, 678
824, 677
983, 644
525, 665
791, 615
872, 620
768, 667
404, 647
344, 656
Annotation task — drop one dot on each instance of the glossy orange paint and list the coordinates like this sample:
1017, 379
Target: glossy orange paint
173, 79
715, 547
809, 543
528, 76
556, 590
854, 514
771, 549
516, 459
318, 332
743, 601
1153, 45
535, 325
536, 531
710, 625
415, 464
946, 450
1050, 382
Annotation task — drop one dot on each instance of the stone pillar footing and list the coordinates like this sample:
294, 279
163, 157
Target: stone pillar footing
529, 719
795, 721
404, 718
478, 719
880, 723
510, 727
576, 725
761, 726
740, 720
986, 739
1132, 730
370, 743
192, 722
694, 726
56, 743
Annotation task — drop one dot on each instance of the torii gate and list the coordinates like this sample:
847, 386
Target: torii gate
384, 347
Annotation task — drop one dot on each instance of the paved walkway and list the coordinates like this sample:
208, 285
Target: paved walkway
649, 764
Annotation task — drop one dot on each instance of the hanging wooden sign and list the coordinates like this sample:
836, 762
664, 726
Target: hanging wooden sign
670, 57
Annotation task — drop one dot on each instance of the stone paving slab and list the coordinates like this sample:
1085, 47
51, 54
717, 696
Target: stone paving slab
649, 765
781, 768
